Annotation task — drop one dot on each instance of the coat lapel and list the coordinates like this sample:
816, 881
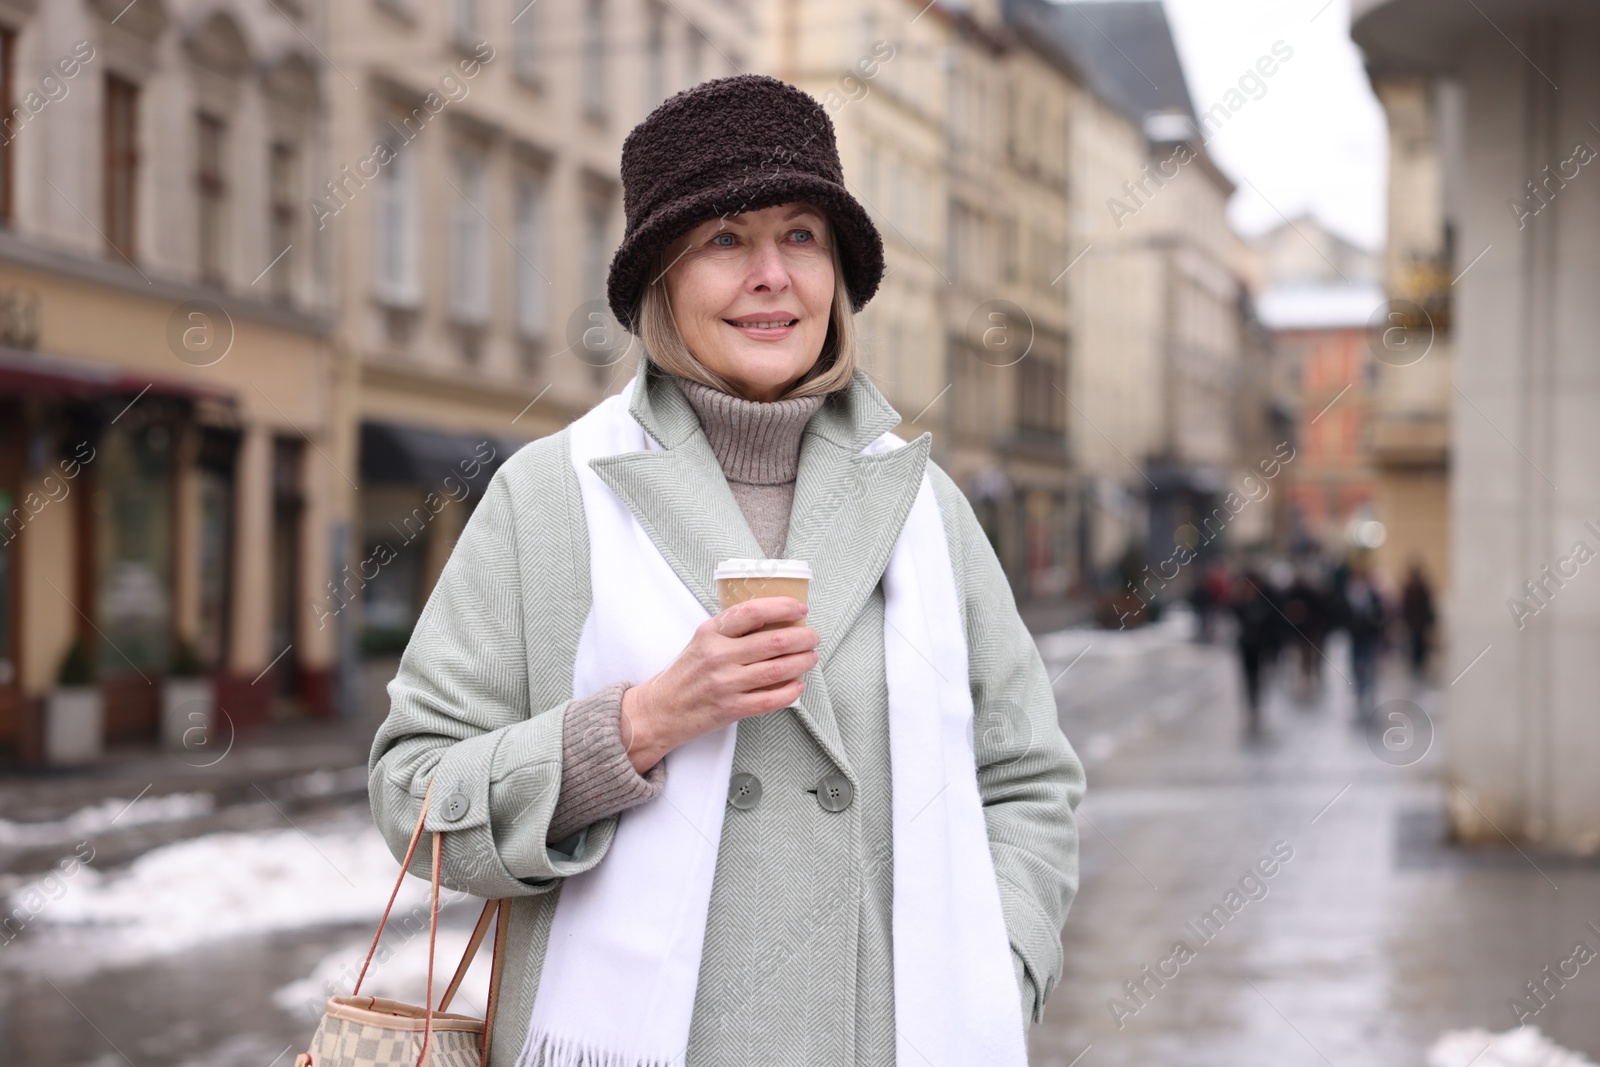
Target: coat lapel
847, 515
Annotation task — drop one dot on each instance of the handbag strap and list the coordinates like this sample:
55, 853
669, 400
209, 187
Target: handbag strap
500, 912
470, 954
405, 865
497, 962
499, 909
433, 937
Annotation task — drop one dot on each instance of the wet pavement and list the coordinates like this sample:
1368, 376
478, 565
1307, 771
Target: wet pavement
1370, 938
1284, 900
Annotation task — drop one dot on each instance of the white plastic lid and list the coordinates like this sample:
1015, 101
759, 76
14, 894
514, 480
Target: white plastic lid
763, 568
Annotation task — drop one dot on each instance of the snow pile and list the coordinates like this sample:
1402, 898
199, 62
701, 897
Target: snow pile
116, 813
399, 972
1176, 627
221, 886
1524, 1046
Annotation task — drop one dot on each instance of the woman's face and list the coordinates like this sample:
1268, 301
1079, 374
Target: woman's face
752, 294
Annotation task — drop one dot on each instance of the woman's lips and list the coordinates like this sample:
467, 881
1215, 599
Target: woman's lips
769, 333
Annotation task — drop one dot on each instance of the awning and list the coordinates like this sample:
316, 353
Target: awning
396, 454
37, 374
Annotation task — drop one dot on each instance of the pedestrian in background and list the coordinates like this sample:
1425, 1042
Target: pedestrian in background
1417, 613
1200, 602
704, 817
1365, 618
1257, 640
1213, 594
1305, 609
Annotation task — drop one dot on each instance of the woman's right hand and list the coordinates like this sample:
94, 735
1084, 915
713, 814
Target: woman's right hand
726, 672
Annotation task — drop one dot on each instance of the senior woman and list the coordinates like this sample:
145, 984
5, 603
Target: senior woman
838, 832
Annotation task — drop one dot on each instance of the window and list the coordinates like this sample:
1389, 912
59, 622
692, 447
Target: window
893, 205
1040, 405
13, 519
594, 55
595, 251
464, 21
121, 161
288, 521
469, 244
1009, 245
133, 545
525, 37
532, 286
211, 197
214, 467
8, 43
395, 230
696, 49
281, 221
654, 57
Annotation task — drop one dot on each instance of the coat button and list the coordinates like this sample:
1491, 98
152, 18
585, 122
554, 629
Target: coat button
744, 791
834, 792
455, 806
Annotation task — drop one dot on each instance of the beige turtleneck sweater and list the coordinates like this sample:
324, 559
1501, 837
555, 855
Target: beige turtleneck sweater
757, 445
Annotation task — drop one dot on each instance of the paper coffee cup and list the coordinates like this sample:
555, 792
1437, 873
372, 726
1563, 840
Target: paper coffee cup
739, 580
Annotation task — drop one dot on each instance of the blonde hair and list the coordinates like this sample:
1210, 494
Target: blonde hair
664, 345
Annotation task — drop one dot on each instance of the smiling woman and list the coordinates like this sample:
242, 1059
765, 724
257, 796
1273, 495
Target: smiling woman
753, 304
768, 833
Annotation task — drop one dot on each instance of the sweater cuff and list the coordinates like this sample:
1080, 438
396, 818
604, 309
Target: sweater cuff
598, 779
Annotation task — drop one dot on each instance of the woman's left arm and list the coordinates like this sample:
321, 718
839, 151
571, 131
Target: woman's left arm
1029, 777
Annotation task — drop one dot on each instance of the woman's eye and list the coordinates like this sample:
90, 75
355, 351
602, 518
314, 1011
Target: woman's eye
717, 240
806, 234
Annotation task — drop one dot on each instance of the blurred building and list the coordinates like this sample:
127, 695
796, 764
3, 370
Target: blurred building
1162, 357
952, 131
1033, 256
882, 76
166, 387
1413, 343
1004, 313
1321, 291
473, 201
1518, 191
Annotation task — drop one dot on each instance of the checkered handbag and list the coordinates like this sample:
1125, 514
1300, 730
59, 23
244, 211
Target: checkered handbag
358, 1031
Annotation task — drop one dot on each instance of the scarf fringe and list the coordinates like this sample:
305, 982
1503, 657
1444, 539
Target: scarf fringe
545, 1049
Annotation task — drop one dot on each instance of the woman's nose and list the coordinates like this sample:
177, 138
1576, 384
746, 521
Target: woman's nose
768, 268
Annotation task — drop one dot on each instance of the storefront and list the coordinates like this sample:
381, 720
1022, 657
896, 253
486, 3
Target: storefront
419, 487
164, 512
91, 461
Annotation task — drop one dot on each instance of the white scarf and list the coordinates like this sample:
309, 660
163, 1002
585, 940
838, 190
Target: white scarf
618, 981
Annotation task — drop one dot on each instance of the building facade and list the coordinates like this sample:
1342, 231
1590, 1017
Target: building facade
165, 377
1159, 304
472, 201
1412, 396
1524, 612
1321, 292
953, 132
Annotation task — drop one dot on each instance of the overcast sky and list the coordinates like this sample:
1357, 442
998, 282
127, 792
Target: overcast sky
1315, 141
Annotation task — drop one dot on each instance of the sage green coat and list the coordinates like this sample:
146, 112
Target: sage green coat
797, 964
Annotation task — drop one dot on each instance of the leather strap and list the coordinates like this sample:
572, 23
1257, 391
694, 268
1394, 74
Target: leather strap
469, 955
497, 962
433, 938
500, 910
405, 865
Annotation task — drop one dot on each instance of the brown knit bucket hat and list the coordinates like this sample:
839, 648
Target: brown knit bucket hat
727, 146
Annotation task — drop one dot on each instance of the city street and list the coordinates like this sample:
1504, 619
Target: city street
1366, 946
1248, 331
222, 904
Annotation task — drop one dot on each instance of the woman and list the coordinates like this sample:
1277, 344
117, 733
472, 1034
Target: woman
740, 906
